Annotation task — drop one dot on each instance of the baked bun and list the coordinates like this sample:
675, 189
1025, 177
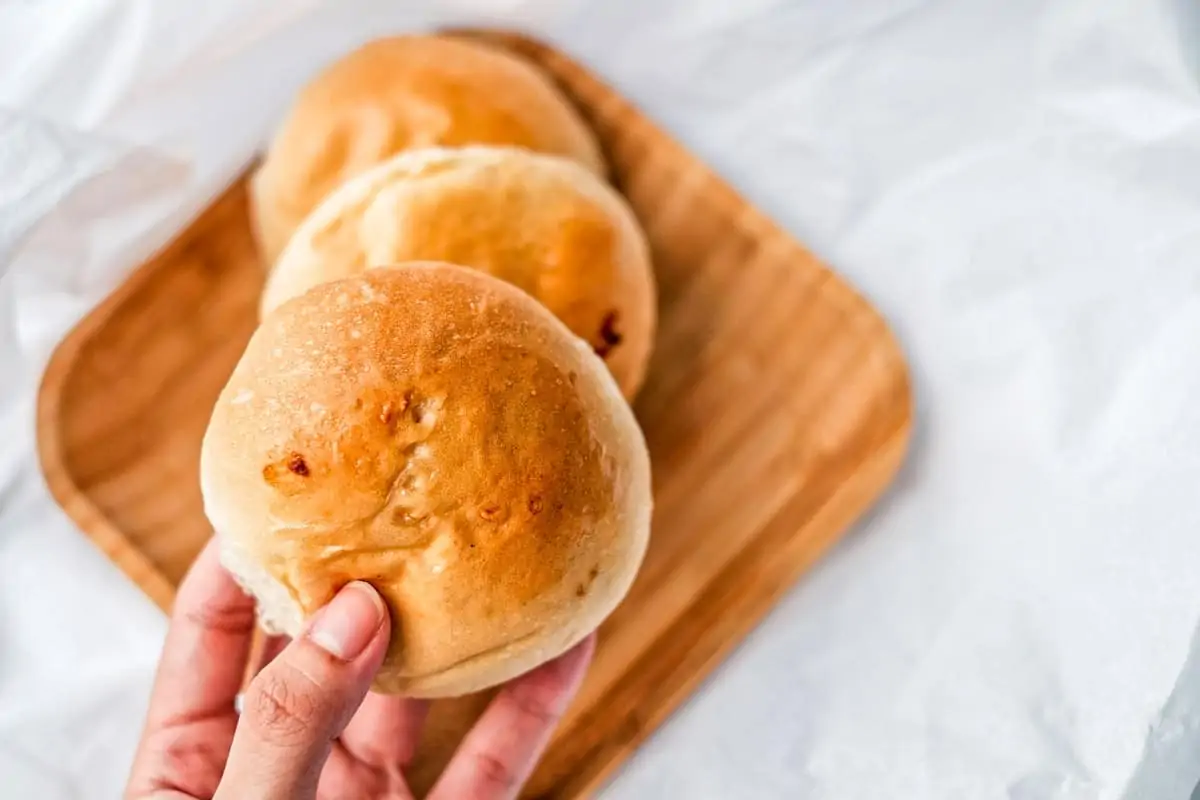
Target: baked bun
399, 93
540, 222
438, 433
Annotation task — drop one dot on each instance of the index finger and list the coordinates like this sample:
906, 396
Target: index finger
191, 718
207, 646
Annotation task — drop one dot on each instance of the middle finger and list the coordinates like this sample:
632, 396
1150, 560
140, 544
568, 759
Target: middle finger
385, 730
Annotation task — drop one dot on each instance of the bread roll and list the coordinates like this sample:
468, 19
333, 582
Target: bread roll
540, 222
399, 93
438, 433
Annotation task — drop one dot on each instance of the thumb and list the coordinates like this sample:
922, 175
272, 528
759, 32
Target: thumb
300, 702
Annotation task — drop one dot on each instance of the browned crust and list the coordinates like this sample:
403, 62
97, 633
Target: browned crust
540, 222
399, 93
438, 433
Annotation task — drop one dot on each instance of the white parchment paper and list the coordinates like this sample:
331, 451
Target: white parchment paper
1015, 184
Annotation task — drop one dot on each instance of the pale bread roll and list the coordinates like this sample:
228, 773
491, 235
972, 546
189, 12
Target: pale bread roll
438, 433
540, 222
399, 93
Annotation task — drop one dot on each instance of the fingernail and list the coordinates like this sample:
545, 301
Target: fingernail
348, 624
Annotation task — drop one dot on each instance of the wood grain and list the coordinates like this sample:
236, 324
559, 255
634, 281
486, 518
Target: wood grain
777, 410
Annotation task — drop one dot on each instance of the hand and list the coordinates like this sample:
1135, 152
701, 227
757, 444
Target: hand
310, 728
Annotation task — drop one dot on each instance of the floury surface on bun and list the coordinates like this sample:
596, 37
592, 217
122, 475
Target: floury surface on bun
438, 433
399, 93
540, 222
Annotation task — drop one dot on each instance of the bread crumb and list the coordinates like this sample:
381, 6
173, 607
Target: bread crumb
425, 411
418, 450
244, 396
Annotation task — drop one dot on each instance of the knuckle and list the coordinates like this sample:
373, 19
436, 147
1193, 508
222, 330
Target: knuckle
368, 783
279, 709
494, 774
193, 766
535, 708
237, 620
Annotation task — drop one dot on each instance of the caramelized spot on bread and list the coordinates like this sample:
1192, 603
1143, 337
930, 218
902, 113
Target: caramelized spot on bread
610, 337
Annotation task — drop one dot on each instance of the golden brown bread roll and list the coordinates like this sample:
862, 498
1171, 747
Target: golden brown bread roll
540, 222
438, 433
400, 93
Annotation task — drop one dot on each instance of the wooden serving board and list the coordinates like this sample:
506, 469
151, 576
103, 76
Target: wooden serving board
776, 410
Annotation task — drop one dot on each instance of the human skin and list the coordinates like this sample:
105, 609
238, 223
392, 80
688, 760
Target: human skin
310, 729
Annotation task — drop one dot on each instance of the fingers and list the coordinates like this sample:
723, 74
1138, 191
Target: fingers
269, 647
300, 702
207, 645
191, 717
498, 755
347, 778
385, 731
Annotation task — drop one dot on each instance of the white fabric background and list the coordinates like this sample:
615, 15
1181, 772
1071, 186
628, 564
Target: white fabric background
1015, 184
